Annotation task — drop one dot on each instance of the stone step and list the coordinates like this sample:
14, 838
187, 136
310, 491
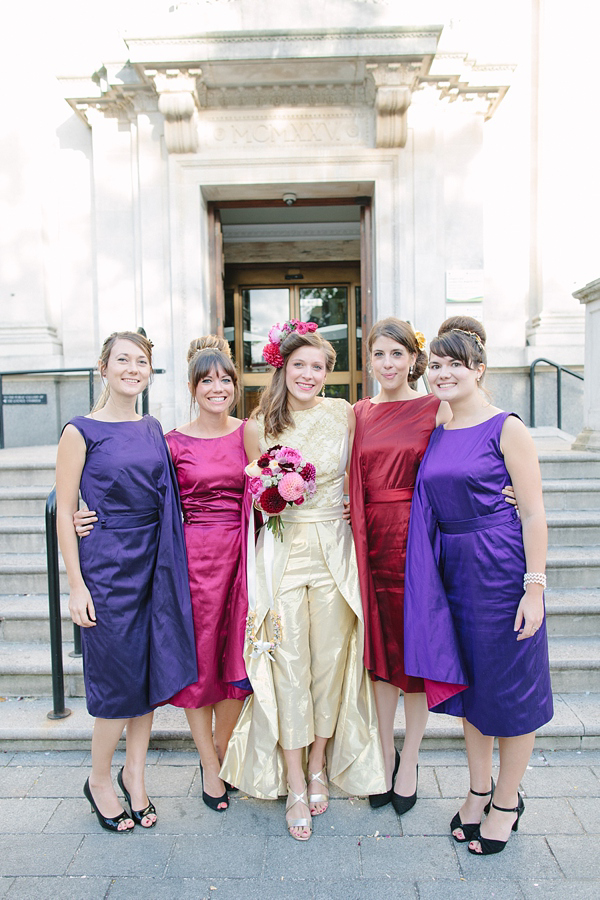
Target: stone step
571, 494
23, 501
573, 567
24, 726
22, 534
21, 466
569, 464
25, 668
573, 613
24, 618
573, 528
26, 573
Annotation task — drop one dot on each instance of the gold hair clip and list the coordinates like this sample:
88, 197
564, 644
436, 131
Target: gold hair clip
420, 340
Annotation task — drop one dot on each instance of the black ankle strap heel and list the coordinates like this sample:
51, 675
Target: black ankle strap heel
469, 829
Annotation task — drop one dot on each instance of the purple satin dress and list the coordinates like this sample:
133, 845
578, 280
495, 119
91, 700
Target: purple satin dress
464, 581
133, 562
216, 507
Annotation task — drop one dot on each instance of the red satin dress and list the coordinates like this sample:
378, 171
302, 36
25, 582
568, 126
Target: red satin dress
389, 444
215, 503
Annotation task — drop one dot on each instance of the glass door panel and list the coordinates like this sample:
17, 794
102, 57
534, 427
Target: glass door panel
328, 307
261, 308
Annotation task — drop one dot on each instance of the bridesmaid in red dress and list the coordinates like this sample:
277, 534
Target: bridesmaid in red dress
209, 458
392, 433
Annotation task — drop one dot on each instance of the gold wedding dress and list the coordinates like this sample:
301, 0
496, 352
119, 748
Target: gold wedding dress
317, 549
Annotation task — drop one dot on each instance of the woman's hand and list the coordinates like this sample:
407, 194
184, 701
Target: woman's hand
509, 496
81, 607
530, 613
346, 514
82, 521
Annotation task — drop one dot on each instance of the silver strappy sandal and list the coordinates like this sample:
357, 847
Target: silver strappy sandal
292, 799
318, 798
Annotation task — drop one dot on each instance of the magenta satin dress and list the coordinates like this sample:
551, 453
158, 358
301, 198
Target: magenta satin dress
389, 444
216, 506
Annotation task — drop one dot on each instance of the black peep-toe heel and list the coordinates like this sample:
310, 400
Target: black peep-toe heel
471, 828
137, 814
213, 802
105, 821
489, 845
377, 800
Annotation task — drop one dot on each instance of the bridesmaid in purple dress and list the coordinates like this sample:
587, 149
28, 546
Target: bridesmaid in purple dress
209, 458
474, 604
128, 581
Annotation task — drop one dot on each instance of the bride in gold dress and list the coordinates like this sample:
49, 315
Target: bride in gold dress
312, 700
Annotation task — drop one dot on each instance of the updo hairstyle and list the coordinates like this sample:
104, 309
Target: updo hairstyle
462, 338
402, 333
273, 405
205, 355
140, 340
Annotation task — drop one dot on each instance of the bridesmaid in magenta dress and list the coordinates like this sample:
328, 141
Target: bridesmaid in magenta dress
392, 433
209, 459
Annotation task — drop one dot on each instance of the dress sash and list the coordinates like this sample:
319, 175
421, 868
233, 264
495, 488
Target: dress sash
479, 523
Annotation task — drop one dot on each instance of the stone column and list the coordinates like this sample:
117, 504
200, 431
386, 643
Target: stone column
589, 438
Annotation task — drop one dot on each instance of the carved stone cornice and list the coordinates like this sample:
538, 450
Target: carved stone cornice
394, 83
178, 102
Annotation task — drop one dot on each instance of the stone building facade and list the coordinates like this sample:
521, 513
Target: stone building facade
234, 162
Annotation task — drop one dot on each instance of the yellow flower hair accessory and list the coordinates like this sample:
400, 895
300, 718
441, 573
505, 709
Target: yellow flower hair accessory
420, 340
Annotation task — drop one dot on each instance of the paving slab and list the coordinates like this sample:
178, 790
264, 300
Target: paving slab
572, 757
565, 781
62, 887
577, 855
221, 856
466, 889
141, 853
366, 889
550, 816
5, 757
321, 855
246, 815
523, 854
5, 884
70, 758
18, 781
49, 854
355, 817
541, 889
209, 889
587, 810
19, 816
410, 858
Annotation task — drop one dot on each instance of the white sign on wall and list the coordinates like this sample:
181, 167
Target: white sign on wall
464, 286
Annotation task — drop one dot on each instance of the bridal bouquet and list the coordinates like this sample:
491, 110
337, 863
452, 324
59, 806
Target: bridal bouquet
280, 478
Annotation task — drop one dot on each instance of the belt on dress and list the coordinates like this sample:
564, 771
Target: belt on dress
212, 517
129, 520
304, 516
479, 523
394, 495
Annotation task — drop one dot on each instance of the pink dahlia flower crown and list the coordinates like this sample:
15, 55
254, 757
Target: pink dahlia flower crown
278, 333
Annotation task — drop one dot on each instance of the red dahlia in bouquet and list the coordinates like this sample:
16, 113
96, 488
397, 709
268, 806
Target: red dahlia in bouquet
280, 478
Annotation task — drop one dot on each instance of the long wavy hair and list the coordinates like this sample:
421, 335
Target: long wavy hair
139, 340
402, 333
273, 405
206, 354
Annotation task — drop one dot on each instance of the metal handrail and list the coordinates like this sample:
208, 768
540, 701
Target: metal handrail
59, 711
559, 370
90, 374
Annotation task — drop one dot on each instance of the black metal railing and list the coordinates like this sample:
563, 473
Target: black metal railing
80, 371
559, 370
59, 711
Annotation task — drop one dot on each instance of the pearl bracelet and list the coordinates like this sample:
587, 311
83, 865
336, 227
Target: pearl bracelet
534, 578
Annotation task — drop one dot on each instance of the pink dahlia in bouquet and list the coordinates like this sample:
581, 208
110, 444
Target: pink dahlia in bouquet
280, 478
278, 333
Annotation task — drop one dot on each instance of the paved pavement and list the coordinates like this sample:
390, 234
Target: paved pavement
52, 847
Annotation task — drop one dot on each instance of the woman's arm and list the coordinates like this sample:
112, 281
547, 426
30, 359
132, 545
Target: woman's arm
521, 461
70, 460
251, 440
351, 429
